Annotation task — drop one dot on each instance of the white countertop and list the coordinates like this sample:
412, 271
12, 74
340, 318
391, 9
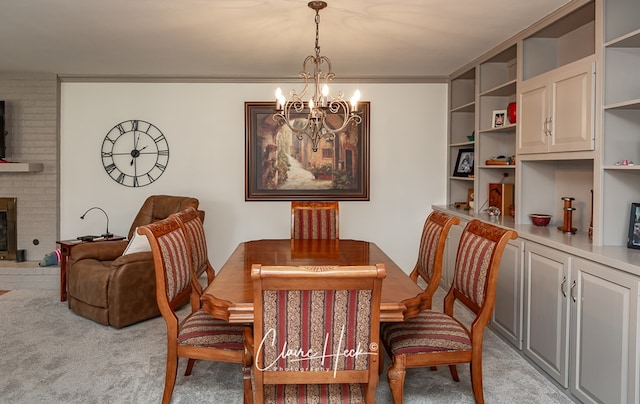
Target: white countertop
579, 244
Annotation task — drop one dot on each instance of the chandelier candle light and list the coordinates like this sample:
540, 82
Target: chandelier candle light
321, 103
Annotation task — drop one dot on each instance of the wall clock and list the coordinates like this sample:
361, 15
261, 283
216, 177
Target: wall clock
135, 153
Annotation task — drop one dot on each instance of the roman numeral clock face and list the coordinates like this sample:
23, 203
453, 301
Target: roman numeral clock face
135, 153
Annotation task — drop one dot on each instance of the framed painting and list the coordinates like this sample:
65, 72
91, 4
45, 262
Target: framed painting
281, 165
464, 163
633, 240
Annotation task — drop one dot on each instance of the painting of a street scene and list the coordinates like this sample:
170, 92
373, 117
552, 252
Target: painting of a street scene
283, 166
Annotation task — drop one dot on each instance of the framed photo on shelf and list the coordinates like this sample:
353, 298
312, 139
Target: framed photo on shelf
464, 163
633, 240
498, 118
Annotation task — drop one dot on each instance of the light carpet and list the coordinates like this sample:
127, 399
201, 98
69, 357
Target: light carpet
48, 354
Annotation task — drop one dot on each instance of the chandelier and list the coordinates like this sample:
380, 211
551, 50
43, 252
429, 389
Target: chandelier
321, 103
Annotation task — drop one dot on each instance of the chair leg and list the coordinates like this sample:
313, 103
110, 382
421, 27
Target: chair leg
247, 364
246, 384
454, 373
476, 381
170, 377
190, 364
395, 375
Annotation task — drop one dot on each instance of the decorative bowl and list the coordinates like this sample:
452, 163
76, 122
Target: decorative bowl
540, 219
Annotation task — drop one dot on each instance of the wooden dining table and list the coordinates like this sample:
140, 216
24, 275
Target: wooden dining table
230, 295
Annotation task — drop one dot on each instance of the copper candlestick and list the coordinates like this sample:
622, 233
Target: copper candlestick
568, 216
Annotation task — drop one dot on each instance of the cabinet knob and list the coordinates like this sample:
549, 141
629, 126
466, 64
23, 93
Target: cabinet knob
564, 281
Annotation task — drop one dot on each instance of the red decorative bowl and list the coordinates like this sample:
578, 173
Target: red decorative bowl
511, 112
540, 219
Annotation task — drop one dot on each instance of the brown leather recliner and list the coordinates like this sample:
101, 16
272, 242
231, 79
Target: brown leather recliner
114, 289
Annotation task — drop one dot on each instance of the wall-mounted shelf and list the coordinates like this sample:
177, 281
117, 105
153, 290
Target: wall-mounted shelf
21, 167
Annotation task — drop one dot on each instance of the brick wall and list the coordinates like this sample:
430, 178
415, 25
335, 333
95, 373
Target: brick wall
31, 120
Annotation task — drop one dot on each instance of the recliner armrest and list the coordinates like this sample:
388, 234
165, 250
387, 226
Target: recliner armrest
145, 256
99, 250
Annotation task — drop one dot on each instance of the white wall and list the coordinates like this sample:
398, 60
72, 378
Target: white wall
204, 124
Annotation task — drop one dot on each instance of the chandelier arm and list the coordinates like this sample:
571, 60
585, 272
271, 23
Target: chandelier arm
321, 101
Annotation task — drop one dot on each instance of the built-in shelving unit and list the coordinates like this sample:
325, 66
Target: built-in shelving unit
497, 89
556, 126
575, 79
620, 117
462, 117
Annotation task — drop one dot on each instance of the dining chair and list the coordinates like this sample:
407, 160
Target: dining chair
316, 333
430, 256
433, 338
198, 335
191, 222
315, 220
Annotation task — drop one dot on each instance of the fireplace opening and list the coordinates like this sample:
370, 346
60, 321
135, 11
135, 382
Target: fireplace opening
8, 229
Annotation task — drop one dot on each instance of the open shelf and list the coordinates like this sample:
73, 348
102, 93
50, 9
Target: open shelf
567, 40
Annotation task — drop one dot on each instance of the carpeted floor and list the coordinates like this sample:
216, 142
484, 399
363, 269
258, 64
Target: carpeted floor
48, 354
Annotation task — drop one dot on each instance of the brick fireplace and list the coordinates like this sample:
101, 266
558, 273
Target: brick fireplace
8, 228
31, 125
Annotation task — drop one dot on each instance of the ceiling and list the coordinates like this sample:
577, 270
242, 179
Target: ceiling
255, 38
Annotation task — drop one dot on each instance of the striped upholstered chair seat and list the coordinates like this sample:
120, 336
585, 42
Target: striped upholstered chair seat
314, 220
314, 315
432, 338
203, 330
430, 331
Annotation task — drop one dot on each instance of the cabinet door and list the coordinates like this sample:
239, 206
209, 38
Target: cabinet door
451, 250
507, 314
571, 119
604, 342
546, 340
533, 116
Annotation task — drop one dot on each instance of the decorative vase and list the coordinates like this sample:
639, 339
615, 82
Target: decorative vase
511, 112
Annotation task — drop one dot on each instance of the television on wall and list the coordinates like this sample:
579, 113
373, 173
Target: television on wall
3, 147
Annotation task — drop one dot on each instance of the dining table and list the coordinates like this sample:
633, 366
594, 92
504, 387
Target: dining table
230, 295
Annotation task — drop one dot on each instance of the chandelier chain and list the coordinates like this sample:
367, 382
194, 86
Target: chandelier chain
317, 33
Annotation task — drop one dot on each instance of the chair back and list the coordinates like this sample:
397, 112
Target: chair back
476, 271
172, 263
316, 326
431, 253
314, 220
159, 207
191, 222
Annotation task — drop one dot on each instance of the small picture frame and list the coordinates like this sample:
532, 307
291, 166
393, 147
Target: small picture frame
633, 240
464, 163
498, 118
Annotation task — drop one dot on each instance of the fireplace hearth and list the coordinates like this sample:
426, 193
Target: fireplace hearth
8, 229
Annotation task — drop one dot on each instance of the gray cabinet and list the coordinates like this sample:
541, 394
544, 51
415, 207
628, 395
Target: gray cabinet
556, 110
604, 336
507, 313
581, 322
546, 318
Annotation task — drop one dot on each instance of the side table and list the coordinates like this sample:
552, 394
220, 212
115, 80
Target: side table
65, 252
